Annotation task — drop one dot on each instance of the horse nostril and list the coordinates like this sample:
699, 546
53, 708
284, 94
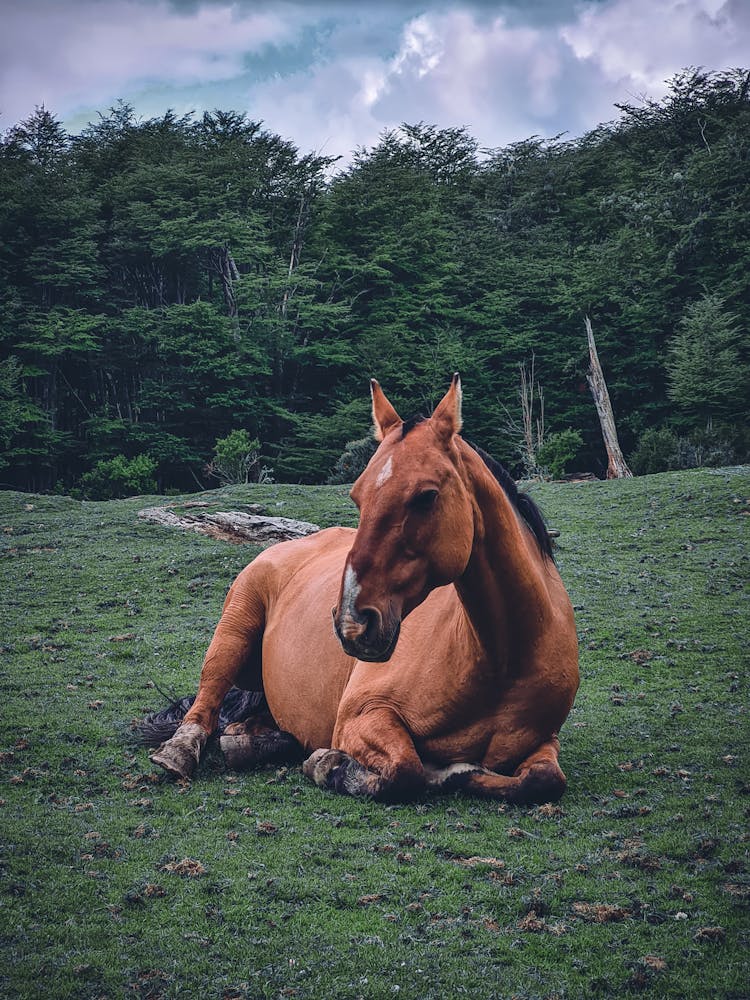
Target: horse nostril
370, 618
360, 625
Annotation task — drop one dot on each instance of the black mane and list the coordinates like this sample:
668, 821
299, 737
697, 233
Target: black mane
521, 501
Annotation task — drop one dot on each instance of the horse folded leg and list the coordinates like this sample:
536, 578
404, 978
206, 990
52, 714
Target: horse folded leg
537, 779
540, 775
180, 754
541, 782
535, 785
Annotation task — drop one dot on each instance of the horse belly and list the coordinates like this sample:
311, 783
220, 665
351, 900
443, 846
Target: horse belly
305, 670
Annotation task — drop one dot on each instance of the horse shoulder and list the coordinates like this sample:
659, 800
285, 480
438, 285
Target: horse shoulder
545, 676
560, 637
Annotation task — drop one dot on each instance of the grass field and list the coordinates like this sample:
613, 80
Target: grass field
116, 882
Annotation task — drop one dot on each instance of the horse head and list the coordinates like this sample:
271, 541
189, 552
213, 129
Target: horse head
416, 526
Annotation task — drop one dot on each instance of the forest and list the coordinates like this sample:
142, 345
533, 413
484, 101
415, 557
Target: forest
187, 298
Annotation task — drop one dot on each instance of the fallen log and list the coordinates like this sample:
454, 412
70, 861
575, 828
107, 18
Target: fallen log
231, 525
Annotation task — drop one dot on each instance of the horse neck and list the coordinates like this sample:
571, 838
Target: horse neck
503, 589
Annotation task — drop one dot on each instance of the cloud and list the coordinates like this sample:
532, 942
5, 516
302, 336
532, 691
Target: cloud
453, 69
333, 75
502, 77
641, 43
504, 81
87, 52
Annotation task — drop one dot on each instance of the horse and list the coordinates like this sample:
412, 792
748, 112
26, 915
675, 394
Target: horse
451, 661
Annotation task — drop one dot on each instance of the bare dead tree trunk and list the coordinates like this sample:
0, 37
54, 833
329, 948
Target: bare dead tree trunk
533, 425
617, 467
229, 275
296, 251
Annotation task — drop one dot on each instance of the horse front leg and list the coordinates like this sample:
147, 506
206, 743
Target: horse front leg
537, 779
223, 666
374, 757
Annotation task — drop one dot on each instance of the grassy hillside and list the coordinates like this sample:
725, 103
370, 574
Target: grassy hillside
115, 881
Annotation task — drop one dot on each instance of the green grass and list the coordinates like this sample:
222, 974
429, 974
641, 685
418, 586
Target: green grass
636, 884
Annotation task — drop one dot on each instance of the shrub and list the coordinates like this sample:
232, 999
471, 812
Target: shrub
711, 448
117, 477
353, 460
558, 450
237, 460
658, 450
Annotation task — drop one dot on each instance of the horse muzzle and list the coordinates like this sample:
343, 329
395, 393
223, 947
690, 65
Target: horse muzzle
365, 634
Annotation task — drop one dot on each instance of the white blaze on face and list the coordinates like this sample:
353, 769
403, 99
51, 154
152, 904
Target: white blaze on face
386, 472
349, 594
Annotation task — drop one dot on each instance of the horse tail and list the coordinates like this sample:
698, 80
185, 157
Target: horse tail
238, 705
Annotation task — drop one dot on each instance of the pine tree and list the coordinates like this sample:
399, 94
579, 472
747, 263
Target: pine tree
708, 375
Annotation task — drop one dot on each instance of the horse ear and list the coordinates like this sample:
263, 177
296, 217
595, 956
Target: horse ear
384, 417
447, 418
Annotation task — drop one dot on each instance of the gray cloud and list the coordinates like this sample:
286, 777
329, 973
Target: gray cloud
503, 78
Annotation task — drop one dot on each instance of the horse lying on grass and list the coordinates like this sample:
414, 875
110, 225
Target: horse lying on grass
453, 659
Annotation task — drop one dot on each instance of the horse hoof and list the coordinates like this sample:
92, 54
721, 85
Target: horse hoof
179, 756
336, 771
180, 762
320, 763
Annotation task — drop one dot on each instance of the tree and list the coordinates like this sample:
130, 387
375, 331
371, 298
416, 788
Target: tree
237, 460
528, 433
120, 477
13, 408
709, 373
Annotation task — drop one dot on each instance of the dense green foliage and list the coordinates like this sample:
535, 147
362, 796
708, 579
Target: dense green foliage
166, 282
120, 477
558, 451
117, 882
707, 377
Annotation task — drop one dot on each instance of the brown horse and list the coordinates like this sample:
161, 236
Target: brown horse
452, 661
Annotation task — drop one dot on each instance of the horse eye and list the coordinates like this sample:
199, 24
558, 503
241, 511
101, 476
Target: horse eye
424, 501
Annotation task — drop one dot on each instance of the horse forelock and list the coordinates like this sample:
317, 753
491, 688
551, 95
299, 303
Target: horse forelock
411, 423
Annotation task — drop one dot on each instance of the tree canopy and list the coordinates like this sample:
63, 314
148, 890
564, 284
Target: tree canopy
165, 282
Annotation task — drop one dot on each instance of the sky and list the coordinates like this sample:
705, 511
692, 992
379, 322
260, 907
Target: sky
333, 75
